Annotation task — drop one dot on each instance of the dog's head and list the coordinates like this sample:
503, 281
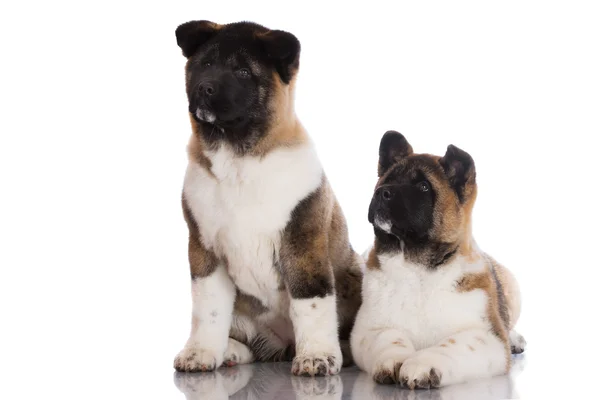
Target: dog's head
234, 71
422, 198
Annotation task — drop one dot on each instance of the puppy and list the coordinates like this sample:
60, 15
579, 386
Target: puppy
436, 309
274, 277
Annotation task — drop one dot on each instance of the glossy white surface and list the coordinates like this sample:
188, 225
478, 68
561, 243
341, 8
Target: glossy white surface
274, 382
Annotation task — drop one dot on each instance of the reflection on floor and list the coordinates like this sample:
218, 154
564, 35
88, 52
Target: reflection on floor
273, 381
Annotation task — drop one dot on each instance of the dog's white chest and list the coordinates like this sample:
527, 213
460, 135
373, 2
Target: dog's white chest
242, 205
424, 303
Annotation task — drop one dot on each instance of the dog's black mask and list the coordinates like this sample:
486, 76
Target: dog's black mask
403, 205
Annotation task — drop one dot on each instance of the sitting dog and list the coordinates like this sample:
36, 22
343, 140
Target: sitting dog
436, 310
274, 277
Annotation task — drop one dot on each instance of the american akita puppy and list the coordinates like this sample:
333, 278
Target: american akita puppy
273, 274
436, 309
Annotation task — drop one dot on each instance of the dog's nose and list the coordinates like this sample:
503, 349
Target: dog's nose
208, 88
385, 194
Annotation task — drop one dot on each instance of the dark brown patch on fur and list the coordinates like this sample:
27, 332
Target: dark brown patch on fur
264, 350
203, 262
315, 255
196, 148
373, 260
502, 304
248, 305
304, 251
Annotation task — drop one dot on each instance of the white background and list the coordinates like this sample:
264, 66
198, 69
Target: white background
94, 284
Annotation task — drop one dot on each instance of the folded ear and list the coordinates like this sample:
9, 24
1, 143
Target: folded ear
460, 170
193, 34
392, 148
283, 49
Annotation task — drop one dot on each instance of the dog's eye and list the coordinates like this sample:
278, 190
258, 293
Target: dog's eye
423, 186
207, 64
243, 73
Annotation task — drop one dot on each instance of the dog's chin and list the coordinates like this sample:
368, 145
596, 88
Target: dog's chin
402, 233
224, 123
205, 116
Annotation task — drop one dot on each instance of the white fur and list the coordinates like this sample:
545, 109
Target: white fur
409, 312
385, 226
242, 205
245, 204
212, 307
205, 115
316, 332
237, 353
517, 341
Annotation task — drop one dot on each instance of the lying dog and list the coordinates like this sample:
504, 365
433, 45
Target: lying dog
273, 274
436, 310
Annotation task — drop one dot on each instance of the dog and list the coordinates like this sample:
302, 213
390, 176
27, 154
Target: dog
274, 277
436, 310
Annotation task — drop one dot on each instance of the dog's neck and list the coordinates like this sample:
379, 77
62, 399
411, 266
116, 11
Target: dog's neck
429, 253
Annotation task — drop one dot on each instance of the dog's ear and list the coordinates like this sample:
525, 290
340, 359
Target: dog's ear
392, 148
193, 34
460, 170
283, 49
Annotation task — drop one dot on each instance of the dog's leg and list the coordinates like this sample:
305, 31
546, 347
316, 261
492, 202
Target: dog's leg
467, 355
318, 350
380, 352
308, 276
213, 295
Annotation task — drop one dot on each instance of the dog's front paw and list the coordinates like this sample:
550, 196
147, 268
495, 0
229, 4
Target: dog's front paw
195, 359
316, 365
387, 371
420, 373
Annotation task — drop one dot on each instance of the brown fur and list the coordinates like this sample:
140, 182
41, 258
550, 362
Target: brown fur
203, 262
285, 129
485, 281
373, 260
315, 244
